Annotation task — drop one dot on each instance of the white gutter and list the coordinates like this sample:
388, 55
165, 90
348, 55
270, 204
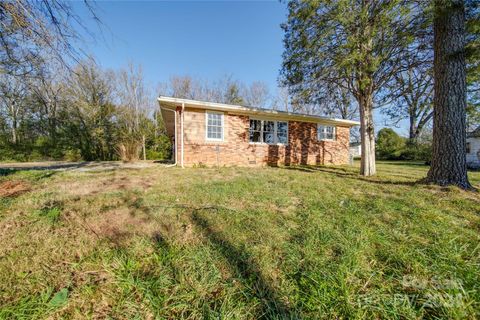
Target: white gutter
175, 129
182, 120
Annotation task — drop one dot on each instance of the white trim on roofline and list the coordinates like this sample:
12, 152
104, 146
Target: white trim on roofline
174, 102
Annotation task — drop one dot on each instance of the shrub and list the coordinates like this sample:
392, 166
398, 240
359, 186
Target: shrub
421, 151
160, 148
36, 155
72, 155
155, 155
129, 150
390, 145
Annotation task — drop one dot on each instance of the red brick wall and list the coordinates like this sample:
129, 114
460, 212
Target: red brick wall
303, 146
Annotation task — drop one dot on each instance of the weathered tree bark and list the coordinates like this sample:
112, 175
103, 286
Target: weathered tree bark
364, 96
367, 136
413, 132
449, 120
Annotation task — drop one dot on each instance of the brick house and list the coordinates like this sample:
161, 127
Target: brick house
215, 134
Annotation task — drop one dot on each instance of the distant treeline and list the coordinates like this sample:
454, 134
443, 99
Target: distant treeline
84, 113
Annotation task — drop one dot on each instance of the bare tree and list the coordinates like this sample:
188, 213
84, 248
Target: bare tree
226, 89
134, 101
29, 29
89, 97
185, 87
13, 95
48, 93
256, 95
281, 101
414, 101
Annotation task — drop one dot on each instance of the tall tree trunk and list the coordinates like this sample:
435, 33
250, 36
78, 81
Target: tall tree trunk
449, 121
365, 95
367, 136
143, 148
413, 132
14, 131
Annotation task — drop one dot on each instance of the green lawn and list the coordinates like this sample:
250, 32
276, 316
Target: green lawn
238, 243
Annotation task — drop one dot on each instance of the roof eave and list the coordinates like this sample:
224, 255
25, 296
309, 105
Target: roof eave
173, 102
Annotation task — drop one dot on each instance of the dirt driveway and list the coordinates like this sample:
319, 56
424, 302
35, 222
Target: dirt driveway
79, 166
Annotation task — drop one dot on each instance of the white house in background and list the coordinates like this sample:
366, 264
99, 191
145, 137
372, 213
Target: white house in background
356, 149
473, 148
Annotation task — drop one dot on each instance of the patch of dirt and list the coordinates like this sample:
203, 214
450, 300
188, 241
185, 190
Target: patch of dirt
121, 224
13, 188
93, 187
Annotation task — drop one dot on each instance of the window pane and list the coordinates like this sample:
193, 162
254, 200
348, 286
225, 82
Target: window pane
214, 126
320, 132
268, 137
332, 133
282, 137
282, 126
268, 126
254, 136
255, 125
282, 132
255, 130
326, 132
268, 131
214, 133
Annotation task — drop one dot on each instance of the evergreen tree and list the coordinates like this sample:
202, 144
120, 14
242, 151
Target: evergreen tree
232, 95
389, 144
449, 165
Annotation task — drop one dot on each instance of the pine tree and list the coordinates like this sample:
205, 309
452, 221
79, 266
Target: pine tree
449, 121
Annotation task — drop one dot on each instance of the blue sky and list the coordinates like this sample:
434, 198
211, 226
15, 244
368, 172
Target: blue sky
205, 39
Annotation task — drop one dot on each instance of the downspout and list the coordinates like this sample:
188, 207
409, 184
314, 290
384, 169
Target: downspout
176, 142
182, 121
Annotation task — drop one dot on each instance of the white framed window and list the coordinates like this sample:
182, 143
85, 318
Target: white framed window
268, 131
214, 124
282, 132
326, 132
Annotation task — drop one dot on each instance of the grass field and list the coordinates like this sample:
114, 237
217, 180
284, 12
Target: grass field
238, 243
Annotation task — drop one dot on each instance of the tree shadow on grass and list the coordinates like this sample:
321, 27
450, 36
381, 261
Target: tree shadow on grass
243, 265
19, 166
405, 163
37, 176
343, 173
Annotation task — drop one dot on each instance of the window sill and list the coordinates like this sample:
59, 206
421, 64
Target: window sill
267, 144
